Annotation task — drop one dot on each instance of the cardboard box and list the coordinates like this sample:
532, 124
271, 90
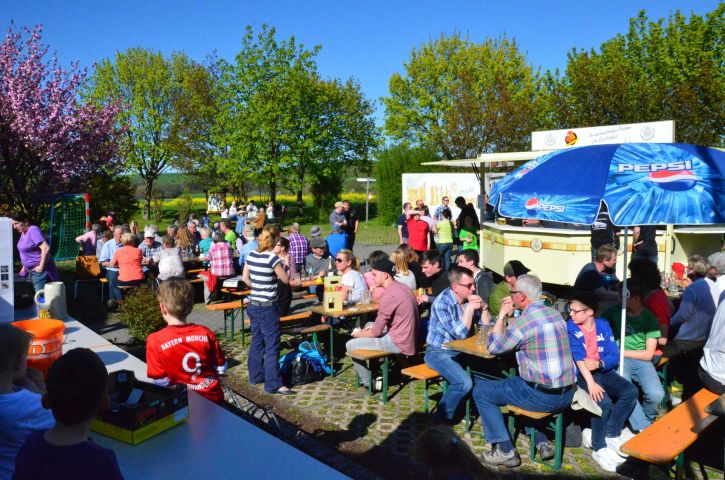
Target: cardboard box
140, 410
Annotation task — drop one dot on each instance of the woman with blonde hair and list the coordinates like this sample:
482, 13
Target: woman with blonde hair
353, 283
413, 263
185, 242
262, 270
128, 258
402, 272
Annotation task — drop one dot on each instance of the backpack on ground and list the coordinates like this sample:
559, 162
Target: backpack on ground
304, 365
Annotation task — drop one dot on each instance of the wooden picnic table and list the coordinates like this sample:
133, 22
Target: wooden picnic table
305, 283
348, 311
470, 346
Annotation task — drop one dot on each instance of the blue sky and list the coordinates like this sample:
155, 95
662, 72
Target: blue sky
364, 39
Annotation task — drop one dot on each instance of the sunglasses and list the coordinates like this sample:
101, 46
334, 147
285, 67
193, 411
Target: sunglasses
467, 285
338, 260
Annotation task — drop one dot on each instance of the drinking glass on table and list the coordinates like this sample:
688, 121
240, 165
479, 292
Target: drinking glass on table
295, 277
366, 297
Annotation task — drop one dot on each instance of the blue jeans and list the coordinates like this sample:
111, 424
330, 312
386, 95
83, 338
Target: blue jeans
447, 363
643, 373
39, 279
611, 423
263, 360
490, 395
445, 249
114, 293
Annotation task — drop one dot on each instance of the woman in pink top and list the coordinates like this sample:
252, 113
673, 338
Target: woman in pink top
128, 259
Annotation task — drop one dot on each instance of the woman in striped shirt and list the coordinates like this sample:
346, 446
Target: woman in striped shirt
262, 270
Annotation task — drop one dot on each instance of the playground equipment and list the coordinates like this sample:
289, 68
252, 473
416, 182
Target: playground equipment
69, 218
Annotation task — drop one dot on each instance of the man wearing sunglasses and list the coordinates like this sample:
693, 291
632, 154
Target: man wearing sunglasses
453, 314
546, 370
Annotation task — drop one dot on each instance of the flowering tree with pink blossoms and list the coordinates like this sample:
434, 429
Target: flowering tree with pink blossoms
50, 142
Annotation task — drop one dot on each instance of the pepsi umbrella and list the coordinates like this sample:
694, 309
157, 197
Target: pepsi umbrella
641, 184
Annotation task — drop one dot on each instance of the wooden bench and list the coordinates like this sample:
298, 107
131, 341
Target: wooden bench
556, 424
230, 313
425, 373
667, 438
364, 355
661, 369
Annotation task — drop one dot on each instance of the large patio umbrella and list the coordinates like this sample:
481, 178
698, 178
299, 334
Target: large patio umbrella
640, 183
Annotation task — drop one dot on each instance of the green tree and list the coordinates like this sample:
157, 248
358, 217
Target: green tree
462, 98
149, 86
659, 70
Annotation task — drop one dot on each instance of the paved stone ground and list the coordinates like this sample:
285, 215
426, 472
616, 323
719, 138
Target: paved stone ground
333, 416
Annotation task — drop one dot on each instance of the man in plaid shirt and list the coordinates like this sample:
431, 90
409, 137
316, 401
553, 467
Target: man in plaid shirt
546, 370
298, 246
452, 317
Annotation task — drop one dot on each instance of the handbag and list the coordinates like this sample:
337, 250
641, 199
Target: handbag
87, 266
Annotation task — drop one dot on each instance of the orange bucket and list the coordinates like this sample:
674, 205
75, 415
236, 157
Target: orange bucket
47, 344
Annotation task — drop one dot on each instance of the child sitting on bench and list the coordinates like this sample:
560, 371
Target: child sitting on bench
184, 352
597, 358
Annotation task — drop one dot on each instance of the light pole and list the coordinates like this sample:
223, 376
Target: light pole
367, 181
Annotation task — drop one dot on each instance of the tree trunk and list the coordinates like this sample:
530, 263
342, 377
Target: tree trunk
301, 178
300, 203
147, 198
273, 190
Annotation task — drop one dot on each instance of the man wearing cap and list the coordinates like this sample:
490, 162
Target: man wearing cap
338, 222
319, 261
511, 271
394, 329
546, 369
149, 247
452, 316
298, 246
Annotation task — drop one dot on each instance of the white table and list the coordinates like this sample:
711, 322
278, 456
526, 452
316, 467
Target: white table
213, 443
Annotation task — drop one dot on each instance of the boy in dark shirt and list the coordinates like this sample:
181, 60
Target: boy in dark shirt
77, 390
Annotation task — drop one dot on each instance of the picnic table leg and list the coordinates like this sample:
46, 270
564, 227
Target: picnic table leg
243, 334
332, 351
385, 380
558, 440
234, 314
226, 316
468, 405
680, 466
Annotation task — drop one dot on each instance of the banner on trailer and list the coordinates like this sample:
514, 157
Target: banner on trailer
432, 187
7, 288
648, 132
214, 203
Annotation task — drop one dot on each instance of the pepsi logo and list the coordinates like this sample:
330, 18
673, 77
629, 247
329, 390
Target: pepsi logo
673, 181
532, 206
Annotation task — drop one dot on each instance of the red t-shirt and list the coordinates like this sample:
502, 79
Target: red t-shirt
659, 305
186, 354
590, 343
418, 234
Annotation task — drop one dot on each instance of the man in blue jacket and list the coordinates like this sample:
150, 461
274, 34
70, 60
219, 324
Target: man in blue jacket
596, 356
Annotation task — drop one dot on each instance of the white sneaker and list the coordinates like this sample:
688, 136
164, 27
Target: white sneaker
615, 443
626, 435
604, 459
587, 438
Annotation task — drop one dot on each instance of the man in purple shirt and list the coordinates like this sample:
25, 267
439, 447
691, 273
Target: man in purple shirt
394, 329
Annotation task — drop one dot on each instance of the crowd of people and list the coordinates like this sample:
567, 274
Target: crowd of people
431, 290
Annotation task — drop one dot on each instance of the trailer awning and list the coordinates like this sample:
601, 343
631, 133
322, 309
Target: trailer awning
488, 158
